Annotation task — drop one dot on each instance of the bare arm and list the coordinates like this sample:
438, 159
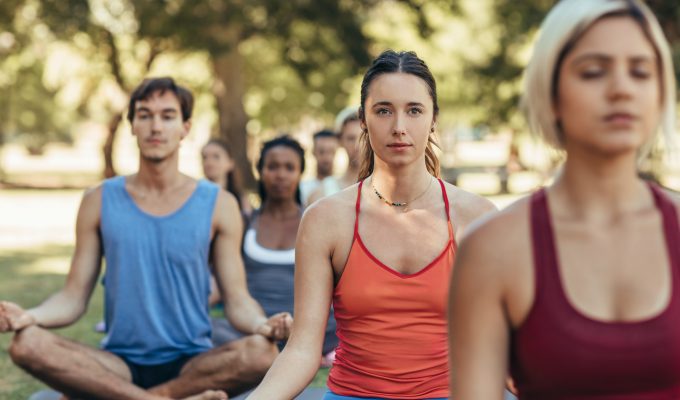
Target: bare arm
467, 209
478, 326
296, 365
67, 305
244, 313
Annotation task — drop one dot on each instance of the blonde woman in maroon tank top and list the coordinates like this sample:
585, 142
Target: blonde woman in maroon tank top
577, 288
381, 251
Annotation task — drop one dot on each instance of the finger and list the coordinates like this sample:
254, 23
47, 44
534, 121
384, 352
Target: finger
265, 330
23, 321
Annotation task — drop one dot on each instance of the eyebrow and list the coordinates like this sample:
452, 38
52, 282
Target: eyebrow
163, 111
608, 58
387, 103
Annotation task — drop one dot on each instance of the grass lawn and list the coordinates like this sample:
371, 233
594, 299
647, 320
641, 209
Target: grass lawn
28, 277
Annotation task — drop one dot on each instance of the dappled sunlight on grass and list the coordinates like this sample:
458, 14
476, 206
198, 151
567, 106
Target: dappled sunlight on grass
47, 265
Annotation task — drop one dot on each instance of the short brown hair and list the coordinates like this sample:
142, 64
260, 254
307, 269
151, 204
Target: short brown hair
150, 86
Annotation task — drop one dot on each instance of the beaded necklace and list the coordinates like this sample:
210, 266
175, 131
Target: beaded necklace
399, 203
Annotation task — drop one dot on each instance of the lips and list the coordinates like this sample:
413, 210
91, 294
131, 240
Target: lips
398, 145
620, 117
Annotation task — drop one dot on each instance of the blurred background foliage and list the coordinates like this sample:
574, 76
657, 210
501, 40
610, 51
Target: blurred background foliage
258, 67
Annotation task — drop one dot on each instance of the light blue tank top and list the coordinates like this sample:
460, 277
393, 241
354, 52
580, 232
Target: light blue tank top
157, 279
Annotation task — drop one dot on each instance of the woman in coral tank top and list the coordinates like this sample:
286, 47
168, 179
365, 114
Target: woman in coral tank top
577, 287
382, 252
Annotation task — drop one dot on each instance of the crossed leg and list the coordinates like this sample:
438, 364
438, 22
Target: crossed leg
234, 367
79, 371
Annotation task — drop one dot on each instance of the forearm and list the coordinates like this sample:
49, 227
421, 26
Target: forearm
245, 314
292, 371
60, 309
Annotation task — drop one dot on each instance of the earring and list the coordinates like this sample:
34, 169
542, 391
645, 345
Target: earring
432, 129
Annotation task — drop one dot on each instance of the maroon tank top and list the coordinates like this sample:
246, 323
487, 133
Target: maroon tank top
559, 353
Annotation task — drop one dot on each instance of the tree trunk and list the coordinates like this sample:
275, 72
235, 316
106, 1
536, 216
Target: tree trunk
107, 149
229, 90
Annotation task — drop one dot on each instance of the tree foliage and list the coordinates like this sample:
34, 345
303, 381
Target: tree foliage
29, 108
496, 78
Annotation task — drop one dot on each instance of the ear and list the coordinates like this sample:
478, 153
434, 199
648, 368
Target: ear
187, 127
132, 127
362, 119
434, 124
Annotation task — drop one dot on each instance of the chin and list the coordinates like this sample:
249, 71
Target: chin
154, 158
622, 148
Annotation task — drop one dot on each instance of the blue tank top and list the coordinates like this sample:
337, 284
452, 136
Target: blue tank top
157, 279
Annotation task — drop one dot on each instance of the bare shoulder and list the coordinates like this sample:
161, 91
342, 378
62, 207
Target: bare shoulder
227, 215
334, 210
91, 204
93, 194
226, 200
673, 196
466, 207
500, 239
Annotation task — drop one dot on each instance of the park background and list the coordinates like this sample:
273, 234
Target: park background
258, 68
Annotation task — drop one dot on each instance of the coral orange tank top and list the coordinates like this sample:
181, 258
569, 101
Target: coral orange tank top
391, 326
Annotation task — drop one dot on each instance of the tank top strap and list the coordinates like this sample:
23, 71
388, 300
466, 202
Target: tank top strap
546, 273
671, 226
447, 209
357, 209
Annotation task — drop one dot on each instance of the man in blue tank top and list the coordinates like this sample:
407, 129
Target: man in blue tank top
156, 229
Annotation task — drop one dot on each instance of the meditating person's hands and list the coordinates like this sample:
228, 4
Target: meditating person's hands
277, 327
13, 317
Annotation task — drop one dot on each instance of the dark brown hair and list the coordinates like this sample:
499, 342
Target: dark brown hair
160, 85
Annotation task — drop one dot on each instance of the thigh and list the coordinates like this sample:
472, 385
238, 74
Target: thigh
49, 343
236, 355
108, 360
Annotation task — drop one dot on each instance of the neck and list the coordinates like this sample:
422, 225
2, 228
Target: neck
283, 208
351, 173
321, 176
400, 185
595, 188
158, 175
222, 181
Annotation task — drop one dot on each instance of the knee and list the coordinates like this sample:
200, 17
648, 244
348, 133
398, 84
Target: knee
260, 354
25, 347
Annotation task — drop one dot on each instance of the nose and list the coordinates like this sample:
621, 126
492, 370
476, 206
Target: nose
156, 123
621, 85
399, 124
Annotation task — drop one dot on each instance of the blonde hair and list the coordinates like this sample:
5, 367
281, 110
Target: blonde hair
560, 30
